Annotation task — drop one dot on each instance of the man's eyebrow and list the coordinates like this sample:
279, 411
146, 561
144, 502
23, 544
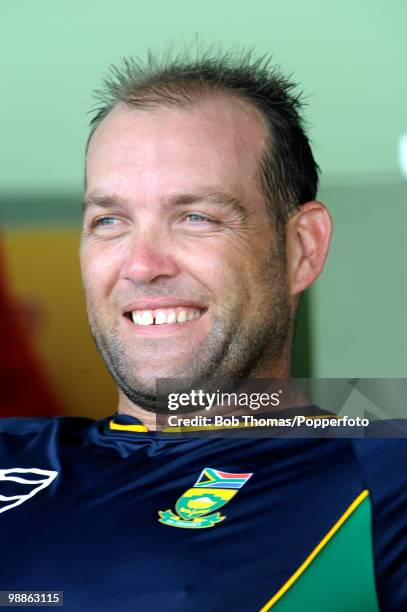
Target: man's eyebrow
101, 201
212, 196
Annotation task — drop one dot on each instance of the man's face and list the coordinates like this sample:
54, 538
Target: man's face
178, 254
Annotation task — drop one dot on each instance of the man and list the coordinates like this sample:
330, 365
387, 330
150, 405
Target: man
201, 230
198, 229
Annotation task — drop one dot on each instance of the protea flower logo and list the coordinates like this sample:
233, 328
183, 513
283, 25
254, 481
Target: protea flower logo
212, 490
18, 485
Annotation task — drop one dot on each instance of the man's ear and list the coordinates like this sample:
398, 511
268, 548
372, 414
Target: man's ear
308, 234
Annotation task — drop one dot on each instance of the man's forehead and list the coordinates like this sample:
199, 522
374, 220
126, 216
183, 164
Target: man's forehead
215, 118
216, 140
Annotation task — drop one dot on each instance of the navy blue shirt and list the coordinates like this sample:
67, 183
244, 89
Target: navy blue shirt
129, 520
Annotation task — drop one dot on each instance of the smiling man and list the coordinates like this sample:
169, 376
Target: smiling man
201, 229
188, 267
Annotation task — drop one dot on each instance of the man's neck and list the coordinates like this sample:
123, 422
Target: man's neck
290, 397
146, 417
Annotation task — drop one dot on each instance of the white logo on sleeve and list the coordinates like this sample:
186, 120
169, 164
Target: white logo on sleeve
17, 485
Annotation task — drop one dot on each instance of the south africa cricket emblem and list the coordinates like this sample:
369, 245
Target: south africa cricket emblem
195, 508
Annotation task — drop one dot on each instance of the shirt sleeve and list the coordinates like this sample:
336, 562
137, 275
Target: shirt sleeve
383, 462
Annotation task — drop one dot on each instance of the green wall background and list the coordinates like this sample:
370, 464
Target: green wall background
349, 58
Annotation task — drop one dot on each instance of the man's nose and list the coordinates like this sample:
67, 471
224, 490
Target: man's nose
149, 258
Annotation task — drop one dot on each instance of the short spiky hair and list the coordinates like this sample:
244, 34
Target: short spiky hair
288, 172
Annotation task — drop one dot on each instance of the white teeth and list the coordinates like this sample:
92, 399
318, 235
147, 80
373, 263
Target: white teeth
136, 318
160, 318
182, 316
147, 318
171, 317
165, 315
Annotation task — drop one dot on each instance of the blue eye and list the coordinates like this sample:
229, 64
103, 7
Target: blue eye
107, 226
197, 218
105, 221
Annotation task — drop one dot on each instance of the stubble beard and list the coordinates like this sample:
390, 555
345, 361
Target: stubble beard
233, 349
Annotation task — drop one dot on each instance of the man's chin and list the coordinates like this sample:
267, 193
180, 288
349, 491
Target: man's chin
152, 393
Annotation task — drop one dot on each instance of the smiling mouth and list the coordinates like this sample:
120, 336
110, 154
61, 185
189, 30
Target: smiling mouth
164, 316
